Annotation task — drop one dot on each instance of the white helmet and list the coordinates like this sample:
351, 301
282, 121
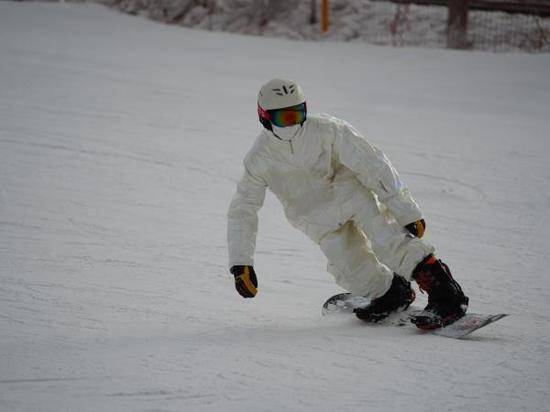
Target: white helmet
277, 94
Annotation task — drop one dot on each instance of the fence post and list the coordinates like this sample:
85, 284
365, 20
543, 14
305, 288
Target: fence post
457, 24
324, 16
313, 16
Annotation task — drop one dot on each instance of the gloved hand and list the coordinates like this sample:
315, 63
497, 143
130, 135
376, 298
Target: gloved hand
417, 228
245, 280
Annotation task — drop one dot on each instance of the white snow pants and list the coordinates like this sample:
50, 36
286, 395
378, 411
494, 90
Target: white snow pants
365, 252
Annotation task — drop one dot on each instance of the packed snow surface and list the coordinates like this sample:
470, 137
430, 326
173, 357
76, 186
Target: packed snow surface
121, 141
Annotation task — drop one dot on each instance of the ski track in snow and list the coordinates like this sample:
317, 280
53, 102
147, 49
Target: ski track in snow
121, 141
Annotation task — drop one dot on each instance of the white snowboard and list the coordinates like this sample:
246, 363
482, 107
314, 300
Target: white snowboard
346, 303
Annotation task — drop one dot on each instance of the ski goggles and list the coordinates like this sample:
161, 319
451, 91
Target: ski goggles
287, 116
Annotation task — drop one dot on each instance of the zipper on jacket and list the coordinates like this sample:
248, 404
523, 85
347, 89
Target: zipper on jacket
291, 147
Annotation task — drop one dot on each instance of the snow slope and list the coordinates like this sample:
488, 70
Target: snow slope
120, 144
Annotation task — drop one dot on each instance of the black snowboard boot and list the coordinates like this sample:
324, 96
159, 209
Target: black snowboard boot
398, 297
446, 301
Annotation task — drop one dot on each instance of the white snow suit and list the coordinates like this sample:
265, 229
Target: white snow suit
334, 186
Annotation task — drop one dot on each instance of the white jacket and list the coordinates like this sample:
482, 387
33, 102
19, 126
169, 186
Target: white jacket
321, 176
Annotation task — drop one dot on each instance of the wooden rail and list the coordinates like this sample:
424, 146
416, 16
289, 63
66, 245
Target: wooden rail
535, 7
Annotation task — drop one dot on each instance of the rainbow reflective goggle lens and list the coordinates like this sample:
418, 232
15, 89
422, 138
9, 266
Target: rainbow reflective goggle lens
288, 116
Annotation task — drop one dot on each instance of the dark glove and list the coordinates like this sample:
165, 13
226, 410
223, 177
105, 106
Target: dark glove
245, 280
417, 228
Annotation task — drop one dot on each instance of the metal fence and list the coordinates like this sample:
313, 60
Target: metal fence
505, 31
427, 23
493, 25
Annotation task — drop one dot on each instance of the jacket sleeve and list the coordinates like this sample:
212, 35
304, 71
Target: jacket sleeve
375, 171
242, 222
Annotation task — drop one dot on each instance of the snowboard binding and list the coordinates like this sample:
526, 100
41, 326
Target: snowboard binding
399, 297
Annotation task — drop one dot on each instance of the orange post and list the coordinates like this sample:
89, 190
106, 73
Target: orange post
324, 16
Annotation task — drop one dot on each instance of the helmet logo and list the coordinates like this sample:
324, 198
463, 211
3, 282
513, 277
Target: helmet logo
285, 90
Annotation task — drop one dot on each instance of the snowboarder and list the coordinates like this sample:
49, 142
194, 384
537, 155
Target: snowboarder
345, 195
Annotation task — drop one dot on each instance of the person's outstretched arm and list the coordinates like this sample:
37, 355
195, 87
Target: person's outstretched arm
242, 227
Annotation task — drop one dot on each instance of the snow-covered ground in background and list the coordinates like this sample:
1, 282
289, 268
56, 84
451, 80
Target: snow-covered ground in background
121, 141
374, 22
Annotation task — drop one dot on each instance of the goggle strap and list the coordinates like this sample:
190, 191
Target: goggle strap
263, 113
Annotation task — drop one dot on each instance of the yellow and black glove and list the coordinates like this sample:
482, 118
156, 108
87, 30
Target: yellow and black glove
245, 280
417, 228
